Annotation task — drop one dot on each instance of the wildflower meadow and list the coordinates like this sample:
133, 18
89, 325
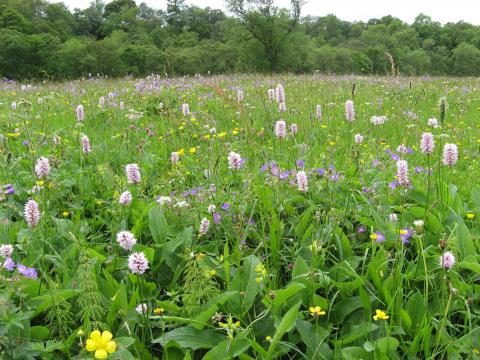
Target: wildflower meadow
240, 217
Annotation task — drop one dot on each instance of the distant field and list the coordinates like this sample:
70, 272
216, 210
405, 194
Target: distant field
229, 217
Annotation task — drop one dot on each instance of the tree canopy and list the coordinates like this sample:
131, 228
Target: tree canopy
43, 40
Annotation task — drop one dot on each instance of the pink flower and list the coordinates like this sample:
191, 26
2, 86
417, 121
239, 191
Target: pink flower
125, 198
280, 129
138, 263
294, 129
280, 93
318, 111
174, 157
80, 113
212, 208
427, 144
239, 95
42, 167
101, 102
185, 110
450, 154
302, 181
86, 144
282, 107
133, 173
235, 161
31, 213
204, 226
349, 111
126, 240
6, 250
271, 94
378, 120
447, 260
433, 122
358, 139
402, 172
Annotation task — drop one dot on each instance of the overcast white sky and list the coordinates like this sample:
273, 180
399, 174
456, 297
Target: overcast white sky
440, 10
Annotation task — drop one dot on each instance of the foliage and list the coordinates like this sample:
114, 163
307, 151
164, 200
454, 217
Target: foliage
40, 40
242, 263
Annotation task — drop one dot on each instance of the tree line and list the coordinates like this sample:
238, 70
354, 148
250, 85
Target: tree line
42, 40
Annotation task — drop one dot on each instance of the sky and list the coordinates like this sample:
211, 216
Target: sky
354, 10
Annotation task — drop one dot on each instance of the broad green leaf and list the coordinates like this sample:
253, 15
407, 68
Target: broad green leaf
189, 337
288, 321
158, 225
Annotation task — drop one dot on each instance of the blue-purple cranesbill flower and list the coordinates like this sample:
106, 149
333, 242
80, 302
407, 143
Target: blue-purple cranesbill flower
418, 169
405, 234
8, 189
217, 218
8, 264
225, 206
25, 142
361, 229
393, 184
300, 164
378, 236
284, 175
320, 171
30, 273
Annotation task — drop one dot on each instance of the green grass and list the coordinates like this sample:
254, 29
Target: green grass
248, 287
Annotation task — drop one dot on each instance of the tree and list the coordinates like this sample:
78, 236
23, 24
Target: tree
466, 60
267, 23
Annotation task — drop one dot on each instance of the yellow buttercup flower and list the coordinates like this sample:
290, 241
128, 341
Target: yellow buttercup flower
470, 216
316, 311
101, 343
193, 150
380, 315
159, 311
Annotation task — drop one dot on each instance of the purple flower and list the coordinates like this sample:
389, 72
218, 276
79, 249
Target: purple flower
225, 206
264, 168
30, 273
9, 264
378, 236
375, 163
284, 175
217, 218
300, 164
393, 184
405, 234
394, 156
361, 229
418, 169
25, 142
320, 171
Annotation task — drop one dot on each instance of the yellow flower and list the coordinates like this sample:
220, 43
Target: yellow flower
373, 236
380, 315
13, 135
158, 311
102, 344
470, 216
222, 134
193, 150
181, 152
65, 214
40, 182
316, 311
